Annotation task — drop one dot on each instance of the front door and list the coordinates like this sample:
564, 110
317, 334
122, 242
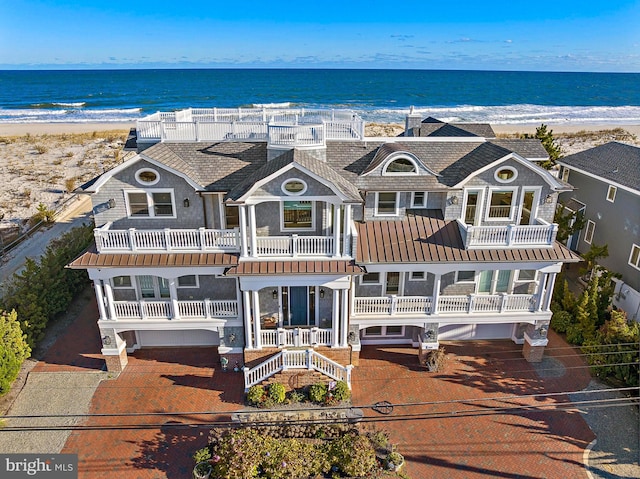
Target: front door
492, 282
298, 306
472, 208
153, 287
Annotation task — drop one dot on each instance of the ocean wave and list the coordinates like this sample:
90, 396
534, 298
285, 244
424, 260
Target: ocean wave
285, 104
69, 115
57, 104
512, 114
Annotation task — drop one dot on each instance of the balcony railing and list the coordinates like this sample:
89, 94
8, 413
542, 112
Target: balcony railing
153, 309
295, 245
540, 235
296, 337
473, 303
179, 240
303, 127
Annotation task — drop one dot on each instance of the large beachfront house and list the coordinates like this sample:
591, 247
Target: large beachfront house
607, 191
289, 239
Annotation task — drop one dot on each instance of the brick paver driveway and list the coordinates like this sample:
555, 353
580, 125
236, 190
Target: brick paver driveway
171, 388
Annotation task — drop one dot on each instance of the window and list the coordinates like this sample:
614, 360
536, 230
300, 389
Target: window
417, 276
401, 166
634, 257
147, 176
465, 276
501, 205
611, 193
506, 174
232, 216
297, 215
294, 186
472, 206
378, 331
588, 234
153, 287
387, 203
188, 281
419, 199
122, 282
150, 204
393, 283
370, 278
527, 275
493, 282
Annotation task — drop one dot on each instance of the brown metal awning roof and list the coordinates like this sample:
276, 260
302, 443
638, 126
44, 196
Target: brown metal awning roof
429, 239
91, 259
253, 268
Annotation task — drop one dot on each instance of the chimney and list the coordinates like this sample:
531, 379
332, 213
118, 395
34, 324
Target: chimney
411, 121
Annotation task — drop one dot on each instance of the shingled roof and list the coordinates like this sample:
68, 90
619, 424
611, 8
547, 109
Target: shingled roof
614, 161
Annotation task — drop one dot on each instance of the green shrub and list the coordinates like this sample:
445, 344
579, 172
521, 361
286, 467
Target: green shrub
202, 455
318, 392
341, 392
13, 349
296, 397
256, 395
561, 321
574, 334
277, 393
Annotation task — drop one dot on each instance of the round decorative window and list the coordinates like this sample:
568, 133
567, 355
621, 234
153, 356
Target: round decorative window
294, 186
506, 174
147, 176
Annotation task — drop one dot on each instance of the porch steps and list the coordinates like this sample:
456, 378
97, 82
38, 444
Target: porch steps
297, 378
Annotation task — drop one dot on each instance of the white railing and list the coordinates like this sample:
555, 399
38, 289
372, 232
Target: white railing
296, 337
511, 235
135, 240
472, 303
296, 359
296, 135
216, 124
294, 245
151, 309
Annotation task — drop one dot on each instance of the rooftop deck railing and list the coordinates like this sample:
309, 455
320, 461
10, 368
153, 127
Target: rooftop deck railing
307, 127
539, 235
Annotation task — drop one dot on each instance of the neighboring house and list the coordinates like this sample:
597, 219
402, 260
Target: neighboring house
288, 239
607, 191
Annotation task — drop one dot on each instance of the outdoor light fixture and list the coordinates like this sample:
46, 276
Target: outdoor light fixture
186, 202
232, 338
454, 200
543, 331
275, 294
549, 198
430, 334
322, 292
106, 340
111, 203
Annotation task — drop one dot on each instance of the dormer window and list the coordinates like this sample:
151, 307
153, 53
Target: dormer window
401, 166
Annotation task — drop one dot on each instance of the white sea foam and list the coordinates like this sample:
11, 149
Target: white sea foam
285, 104
69, 115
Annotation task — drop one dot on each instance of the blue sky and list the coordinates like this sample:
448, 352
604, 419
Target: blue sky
561, 35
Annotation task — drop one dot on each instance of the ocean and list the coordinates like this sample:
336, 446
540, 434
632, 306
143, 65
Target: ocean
380, 95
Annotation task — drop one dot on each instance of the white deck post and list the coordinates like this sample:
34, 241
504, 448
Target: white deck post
242, 213
252, 230
336, 231
344, 325
346, 249
247, 319
256, 319
436, 293
542, 288
110, 301
550, 282
100, 297
335, 320
173, 292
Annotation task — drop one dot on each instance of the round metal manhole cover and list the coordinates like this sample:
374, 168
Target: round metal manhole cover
383, 407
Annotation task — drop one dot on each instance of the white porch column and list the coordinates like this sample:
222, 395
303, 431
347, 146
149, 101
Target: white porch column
248, 340
344, 325
100, 297
346, 244
242, 215
336, 231
256, 319
542, 289
550, 283
173, 293
335, 320
252, 230
436, 293
110, 301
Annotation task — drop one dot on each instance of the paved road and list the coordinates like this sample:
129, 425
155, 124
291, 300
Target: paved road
76, 214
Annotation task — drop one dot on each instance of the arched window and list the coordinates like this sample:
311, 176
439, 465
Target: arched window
401, 166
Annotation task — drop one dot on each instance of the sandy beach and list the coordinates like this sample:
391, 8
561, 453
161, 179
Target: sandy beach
43, 162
